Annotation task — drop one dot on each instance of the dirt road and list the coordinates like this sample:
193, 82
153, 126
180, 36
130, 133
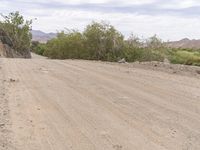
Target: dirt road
84, 105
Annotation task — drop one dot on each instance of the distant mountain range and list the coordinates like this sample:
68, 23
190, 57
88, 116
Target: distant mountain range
42, 37
185, 43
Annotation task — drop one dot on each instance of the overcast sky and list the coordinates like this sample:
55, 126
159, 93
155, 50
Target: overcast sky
169, 19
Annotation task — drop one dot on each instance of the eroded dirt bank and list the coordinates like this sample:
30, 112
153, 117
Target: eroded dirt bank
84, 105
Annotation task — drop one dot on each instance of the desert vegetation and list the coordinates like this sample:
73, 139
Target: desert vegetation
16, 33
98, 41
185, 56
101, 41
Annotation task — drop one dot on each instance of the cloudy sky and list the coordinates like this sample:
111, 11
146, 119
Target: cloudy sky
169, 19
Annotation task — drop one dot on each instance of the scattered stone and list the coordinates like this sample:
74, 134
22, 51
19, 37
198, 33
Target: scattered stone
117, 147
166, 61
2, 125
198, 71
122, 60
12, 80
174, 72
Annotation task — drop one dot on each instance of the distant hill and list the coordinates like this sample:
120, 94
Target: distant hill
185, 43
42, 37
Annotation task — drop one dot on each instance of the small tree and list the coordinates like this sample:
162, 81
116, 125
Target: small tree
18, 30
68, 44
133, 41
155, 43
103, 41
156, 49
132, 49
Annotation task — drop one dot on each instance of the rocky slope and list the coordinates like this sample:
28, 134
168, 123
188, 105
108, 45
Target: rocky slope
185, 43
8, 52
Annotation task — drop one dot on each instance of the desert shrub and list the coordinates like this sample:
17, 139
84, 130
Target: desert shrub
185, 57
132, 49
103, 41
18, 31
151, 55
152, 49
157, 50
38, 47
66, 45
99, 41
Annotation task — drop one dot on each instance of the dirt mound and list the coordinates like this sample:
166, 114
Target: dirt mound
6, 51
169, 68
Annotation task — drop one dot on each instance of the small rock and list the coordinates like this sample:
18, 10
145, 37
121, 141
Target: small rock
12, 80
117, 147
122, 61
198, 71
2, 125
166, 61
174, 72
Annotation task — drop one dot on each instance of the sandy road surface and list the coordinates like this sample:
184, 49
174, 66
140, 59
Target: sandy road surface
83, 105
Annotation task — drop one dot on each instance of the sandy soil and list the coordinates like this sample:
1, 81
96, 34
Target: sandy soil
84, 105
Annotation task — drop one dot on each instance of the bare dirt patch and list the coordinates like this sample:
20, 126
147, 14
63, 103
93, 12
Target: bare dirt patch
192, 71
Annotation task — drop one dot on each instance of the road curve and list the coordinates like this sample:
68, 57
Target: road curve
88, 105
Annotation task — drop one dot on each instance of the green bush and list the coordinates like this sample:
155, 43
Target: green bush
38, 48
185, 57
66, 45
154, 50
101, 41
18, 31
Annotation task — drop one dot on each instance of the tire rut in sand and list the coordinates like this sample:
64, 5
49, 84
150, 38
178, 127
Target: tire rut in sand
5, 140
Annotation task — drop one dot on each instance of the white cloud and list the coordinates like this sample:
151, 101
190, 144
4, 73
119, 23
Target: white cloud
168, 27
177, 4
123, 2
